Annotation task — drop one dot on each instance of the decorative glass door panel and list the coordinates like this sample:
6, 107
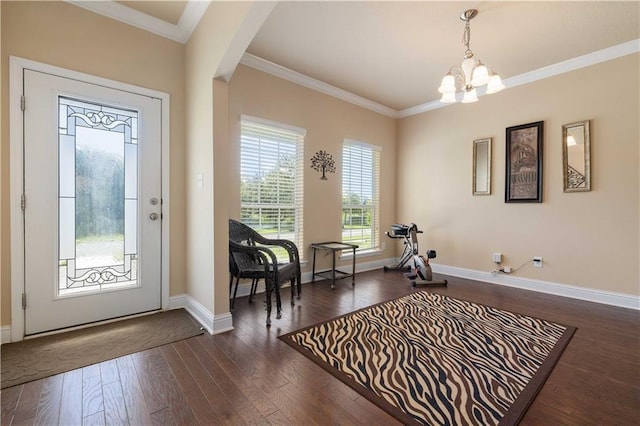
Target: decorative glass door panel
98, 180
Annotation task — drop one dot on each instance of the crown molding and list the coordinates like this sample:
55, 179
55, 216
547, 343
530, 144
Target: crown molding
193, 12
253, 20
573, 64
195, 9
317, 85
191, 15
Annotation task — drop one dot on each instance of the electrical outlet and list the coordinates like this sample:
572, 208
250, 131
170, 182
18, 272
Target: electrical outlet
497, 257
537, 261
506, 269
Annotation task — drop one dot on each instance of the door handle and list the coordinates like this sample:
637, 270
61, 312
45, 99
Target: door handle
153, 216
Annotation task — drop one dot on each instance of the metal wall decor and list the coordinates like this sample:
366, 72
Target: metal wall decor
482, 166
323, 161
576, 157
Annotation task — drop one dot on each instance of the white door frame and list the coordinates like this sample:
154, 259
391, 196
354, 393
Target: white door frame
16, 159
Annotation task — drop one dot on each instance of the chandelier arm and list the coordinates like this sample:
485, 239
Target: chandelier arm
491, 70
457, 73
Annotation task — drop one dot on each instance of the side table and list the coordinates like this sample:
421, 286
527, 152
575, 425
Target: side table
334, 274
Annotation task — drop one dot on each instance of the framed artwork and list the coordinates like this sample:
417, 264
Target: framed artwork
523, 183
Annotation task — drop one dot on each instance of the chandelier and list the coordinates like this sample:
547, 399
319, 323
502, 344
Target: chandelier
471, 74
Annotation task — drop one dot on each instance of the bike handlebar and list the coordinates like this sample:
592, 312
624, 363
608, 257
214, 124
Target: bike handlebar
406, 228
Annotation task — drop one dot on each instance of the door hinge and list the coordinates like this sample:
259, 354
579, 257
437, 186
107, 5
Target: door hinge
23, 202
23, 102
24, 300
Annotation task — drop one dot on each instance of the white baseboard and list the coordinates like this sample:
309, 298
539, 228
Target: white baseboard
565, 290
213, 324
224, 322
179, 301
244, 287
5, 334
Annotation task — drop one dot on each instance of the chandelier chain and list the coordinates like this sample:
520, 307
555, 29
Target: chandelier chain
466, 39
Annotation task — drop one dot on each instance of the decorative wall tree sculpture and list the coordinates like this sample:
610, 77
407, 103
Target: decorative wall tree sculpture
323, 161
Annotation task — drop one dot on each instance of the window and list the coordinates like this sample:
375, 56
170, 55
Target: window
271, 161
360, 194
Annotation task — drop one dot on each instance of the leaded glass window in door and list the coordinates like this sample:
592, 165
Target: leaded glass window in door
98, 197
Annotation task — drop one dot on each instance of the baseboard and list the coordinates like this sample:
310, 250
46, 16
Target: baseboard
5, 334
224, 322
213, 324
179, 301
591, 295
245, 286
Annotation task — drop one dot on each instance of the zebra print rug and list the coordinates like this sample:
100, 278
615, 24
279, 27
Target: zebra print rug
430, 359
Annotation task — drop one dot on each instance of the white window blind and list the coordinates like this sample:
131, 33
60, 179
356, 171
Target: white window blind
271, 167
361, 194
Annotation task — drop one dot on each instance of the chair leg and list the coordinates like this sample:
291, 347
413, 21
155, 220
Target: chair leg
254, 288
293, 292
268, 289
278, 302
235, 292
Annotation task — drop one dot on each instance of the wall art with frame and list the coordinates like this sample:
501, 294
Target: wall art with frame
523, 183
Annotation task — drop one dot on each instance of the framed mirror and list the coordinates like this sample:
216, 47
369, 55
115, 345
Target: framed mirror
576, 157
482, 166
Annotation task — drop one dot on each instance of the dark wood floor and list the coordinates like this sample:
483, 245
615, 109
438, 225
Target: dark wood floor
248, 376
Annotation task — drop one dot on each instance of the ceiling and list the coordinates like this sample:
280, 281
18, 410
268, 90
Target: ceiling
169, 11
394, 54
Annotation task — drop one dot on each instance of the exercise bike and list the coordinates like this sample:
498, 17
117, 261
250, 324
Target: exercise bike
403, 231
420, 272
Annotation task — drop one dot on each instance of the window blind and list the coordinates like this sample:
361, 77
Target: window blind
271, 167
360, 194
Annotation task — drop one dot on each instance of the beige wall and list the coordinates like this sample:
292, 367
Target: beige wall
213, 40
587, 240
327, 121
67, 36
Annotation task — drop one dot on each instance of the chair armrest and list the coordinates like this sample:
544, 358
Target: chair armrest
288, 245
291, 248
266, 256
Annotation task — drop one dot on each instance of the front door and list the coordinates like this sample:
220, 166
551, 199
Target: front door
92, 202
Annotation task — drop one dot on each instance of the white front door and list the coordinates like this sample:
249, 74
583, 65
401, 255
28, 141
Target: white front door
92, 206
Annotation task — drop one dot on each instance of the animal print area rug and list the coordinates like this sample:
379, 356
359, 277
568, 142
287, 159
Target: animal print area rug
431, 359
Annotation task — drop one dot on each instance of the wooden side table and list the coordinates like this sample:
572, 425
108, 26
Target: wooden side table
334, 274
